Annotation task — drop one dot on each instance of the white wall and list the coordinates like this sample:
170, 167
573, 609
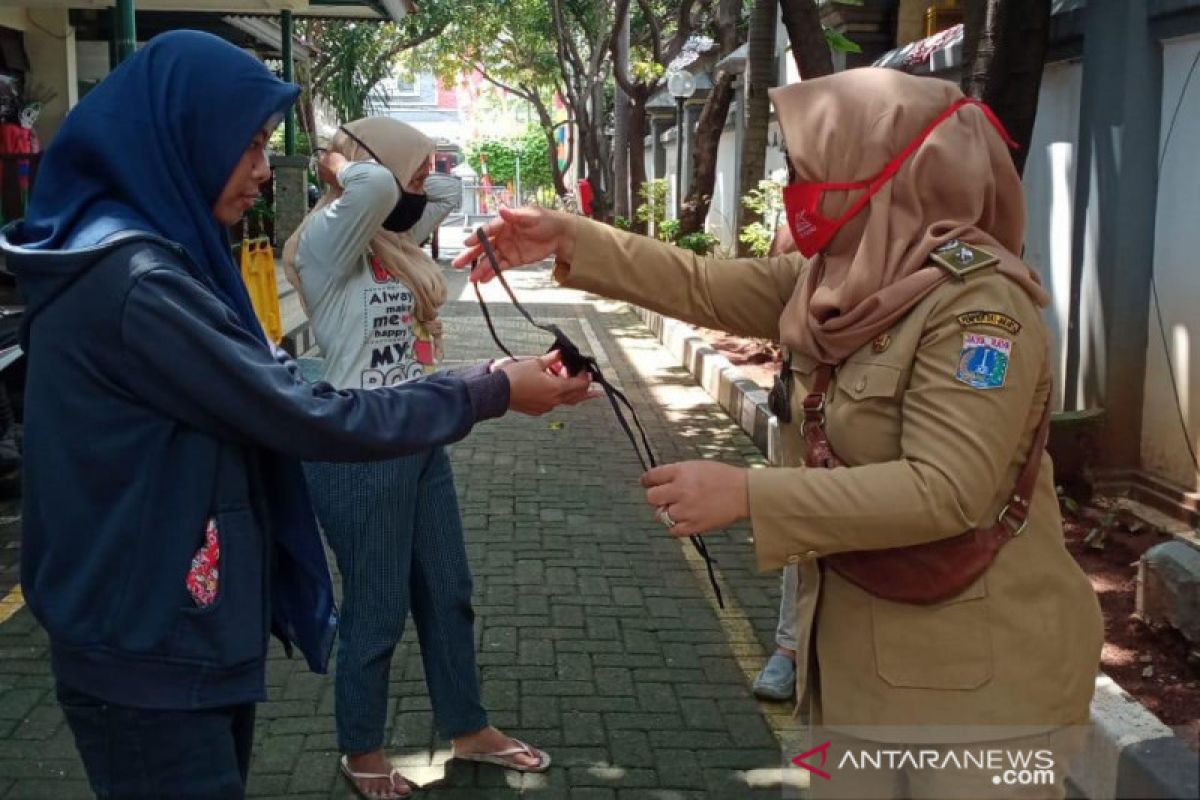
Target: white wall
723, 210
1177, 275
671, 173
51, 48
1049, 197
92, 60
13, 18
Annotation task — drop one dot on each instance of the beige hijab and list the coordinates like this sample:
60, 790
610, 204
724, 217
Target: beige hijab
402, 149
960, 184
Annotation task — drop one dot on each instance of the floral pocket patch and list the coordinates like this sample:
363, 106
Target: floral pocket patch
204, 576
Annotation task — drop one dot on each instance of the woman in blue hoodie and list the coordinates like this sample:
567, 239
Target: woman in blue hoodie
167, 528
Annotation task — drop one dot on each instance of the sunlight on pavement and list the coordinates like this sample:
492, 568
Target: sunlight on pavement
650, 359
13, 602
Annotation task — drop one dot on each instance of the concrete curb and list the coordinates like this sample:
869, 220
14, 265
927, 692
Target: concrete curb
1130, 754
742, 399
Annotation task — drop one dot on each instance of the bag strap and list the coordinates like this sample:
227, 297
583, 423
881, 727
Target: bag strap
818, 450
1016, 512
1012, 519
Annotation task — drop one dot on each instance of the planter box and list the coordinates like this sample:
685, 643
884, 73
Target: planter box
1072, 446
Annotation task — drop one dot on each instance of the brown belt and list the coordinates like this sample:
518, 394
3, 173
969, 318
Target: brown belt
926, 573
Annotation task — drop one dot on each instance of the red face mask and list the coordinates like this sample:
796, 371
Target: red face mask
802, 199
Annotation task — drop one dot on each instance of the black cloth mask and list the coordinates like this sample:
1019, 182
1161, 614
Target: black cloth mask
407, 212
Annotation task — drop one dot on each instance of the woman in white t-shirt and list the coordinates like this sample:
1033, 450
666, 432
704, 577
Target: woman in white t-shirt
373, 297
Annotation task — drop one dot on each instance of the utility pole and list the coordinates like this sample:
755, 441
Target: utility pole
125, 29
289, 68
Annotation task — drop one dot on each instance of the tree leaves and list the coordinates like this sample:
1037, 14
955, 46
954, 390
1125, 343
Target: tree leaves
352, 56
839, 43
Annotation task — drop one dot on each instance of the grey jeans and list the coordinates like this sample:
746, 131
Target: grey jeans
786, 633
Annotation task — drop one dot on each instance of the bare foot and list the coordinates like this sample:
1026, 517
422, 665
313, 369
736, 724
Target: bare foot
490, 740
389, 785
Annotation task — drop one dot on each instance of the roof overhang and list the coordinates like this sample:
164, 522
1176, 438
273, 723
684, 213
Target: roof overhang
269, 34
395, 10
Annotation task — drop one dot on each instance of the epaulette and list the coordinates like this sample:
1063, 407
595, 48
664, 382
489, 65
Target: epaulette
961, 259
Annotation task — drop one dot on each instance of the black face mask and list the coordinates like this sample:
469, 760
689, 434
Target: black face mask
409, 207
408, 210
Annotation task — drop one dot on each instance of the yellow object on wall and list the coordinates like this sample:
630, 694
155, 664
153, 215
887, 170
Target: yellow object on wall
942, 15
258, 271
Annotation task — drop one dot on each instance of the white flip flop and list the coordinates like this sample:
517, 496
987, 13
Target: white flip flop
390, 777
502, 758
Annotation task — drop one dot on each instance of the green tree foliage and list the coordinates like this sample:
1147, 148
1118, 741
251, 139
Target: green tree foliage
511, 43
502, 155
700, 242
352, 56
767, 202
652, 211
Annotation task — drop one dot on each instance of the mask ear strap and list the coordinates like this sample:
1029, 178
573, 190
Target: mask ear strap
896, 163
371, 153
996, 123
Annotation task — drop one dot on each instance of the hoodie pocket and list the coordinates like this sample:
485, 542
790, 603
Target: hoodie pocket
230, 629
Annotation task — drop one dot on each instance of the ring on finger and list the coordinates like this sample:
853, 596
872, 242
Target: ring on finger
664, 516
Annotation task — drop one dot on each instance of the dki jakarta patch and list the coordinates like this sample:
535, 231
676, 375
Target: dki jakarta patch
983, 362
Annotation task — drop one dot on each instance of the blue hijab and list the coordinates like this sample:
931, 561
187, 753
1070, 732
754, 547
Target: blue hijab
151, 148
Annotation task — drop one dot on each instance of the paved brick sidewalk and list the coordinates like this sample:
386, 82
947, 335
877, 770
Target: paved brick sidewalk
598, 638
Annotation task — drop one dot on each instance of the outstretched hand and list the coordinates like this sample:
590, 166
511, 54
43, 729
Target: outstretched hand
538, 385
520, 236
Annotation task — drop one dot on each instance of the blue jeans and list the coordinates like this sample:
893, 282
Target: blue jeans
395, 529
149, 753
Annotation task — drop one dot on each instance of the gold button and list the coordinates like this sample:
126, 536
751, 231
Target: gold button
882, 343
861, 385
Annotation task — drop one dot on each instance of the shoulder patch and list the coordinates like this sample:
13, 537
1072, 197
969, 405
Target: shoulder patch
989, 319
983, 362
961, 259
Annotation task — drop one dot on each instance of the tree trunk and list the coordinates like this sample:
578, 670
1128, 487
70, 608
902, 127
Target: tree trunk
760, 63
806, 35
711, 125
1004, 50
637, 156
622, 141
599, 163
709, 128
547, 123
593, 161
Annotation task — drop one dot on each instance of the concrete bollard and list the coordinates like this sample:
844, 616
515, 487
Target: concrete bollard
291, 194
1168, 588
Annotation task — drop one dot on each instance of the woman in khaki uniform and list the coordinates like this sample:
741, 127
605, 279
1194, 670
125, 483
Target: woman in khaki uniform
909, 211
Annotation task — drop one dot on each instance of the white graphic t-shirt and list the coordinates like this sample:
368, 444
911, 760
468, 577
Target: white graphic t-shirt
361, 316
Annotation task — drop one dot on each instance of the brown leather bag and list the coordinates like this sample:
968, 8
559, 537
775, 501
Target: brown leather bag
927, 573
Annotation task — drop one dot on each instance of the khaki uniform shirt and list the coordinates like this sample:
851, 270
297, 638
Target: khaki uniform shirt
934, 431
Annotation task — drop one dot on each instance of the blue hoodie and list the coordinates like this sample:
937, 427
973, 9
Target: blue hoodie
154, 403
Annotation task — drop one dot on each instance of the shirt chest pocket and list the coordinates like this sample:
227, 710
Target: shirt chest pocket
863, 411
